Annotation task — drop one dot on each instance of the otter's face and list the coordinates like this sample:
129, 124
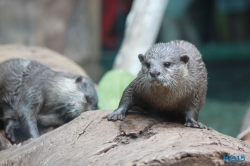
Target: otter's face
72, 96
90, 99
164, 65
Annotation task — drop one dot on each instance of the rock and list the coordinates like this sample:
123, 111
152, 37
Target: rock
46, 56
138, 140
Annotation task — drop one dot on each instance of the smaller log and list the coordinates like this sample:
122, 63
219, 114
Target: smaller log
245, 128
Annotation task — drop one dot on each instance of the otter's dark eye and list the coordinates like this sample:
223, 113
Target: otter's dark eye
87, 98
167, 64
147, 64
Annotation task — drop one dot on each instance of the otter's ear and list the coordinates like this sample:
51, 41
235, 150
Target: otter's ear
141, 57
184, 58
79, 79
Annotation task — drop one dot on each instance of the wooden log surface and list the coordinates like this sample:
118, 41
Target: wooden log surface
138, 140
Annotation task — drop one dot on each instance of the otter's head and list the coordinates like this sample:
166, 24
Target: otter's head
71, 95
86, 86
164, 64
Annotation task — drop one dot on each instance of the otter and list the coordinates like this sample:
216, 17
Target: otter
32, 93
172, 82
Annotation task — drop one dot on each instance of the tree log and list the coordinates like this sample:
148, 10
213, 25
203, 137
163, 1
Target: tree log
142, 26
138, 140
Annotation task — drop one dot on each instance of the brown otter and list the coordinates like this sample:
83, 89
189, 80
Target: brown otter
172, 81
32, 93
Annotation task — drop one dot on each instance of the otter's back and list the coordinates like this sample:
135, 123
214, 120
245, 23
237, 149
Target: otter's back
12, 77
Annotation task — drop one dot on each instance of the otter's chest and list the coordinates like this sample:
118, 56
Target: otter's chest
163, 99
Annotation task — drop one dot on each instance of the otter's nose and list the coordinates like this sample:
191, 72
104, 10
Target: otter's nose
154, 74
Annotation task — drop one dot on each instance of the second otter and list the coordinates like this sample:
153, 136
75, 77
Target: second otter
172, 81
32, 93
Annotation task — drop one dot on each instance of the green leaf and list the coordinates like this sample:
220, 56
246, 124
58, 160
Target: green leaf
111, 87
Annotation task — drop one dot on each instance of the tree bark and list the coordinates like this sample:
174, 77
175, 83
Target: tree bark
142, 26
138, 140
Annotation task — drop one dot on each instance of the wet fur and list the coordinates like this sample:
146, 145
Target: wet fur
179, 89
32, 93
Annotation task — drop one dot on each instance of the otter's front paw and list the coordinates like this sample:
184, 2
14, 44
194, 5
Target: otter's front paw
9, 131
193, 123
115, 116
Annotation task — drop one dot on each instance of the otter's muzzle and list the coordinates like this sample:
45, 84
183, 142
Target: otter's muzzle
154, 74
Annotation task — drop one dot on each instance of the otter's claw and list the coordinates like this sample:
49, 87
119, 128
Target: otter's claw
9, 131
193, 123
114, 116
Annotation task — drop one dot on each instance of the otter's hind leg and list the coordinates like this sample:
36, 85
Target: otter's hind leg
191, 117
192, 113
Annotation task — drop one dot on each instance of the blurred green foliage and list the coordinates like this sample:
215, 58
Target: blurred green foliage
111, 87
